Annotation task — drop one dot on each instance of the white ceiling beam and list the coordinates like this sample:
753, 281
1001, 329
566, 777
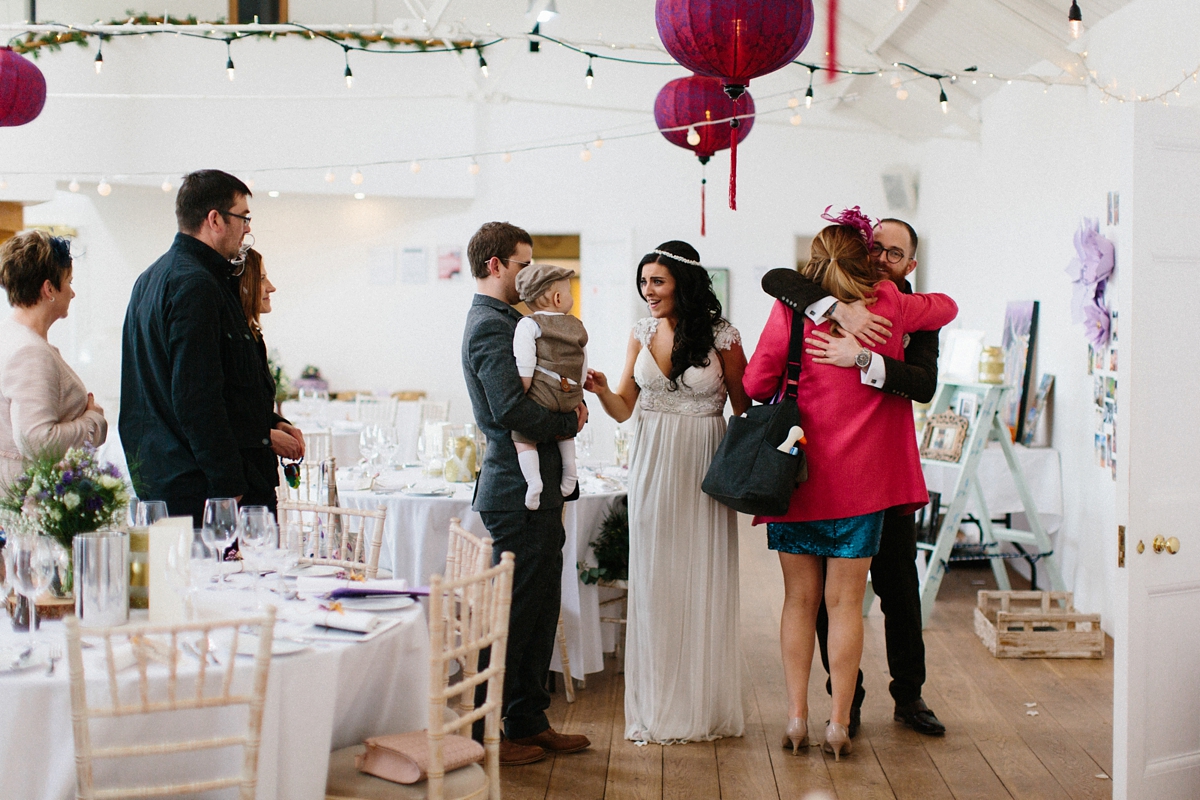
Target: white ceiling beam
893, 25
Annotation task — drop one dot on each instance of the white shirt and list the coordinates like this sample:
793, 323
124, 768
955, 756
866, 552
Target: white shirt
876, 373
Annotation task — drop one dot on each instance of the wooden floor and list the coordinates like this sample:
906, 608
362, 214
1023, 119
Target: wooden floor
1015, 728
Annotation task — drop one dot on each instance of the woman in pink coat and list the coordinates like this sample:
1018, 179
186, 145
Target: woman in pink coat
862, 458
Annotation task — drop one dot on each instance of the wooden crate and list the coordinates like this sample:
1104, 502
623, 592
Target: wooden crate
1035, 625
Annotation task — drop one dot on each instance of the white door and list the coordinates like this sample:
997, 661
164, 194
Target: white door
1156, 698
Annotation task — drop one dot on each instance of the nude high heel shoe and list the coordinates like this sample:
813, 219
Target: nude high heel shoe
796, 734
837, 740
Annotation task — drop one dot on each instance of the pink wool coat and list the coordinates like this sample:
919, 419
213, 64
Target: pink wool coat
862, 447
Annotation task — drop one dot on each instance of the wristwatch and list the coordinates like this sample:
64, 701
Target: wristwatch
863, 359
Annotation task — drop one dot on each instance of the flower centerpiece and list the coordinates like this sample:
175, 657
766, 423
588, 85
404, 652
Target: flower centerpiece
60, 497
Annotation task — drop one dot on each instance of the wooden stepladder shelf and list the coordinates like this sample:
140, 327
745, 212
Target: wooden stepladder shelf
987, 425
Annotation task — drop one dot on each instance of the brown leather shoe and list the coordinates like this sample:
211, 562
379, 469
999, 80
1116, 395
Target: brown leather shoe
513, 754
555, 742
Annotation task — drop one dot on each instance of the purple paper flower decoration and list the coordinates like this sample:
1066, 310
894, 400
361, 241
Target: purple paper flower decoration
854, 218
1096, 321
1094, 254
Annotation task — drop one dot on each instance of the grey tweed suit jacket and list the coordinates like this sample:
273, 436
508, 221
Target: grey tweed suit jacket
500, 405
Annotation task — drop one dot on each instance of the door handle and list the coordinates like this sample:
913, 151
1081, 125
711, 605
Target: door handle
1171, 545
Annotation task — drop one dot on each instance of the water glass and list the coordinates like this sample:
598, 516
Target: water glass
220, 524
368, 444
30, 562
150, 512
621, 441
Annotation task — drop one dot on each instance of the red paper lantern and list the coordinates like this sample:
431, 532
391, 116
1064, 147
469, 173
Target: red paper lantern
697, 104
22, 89
735, 41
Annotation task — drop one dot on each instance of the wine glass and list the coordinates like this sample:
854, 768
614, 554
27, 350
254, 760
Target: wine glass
220, 525
258, 533
150, 512
189, 567
31, 562
368, 444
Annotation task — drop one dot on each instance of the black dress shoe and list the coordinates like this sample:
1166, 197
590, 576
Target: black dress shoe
917, 716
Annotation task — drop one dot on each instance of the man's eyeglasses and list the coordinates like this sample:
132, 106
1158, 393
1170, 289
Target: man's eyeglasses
894, 255
239, 216
522, 263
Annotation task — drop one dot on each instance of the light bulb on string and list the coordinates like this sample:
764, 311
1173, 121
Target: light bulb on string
901, 5
349, 76
473, 168
73, 185
273, 193
357, 177
795, 119
586, 155
229, 59
902, 93
99, 60
793, 102
414, 167
330, 177
944, 101
693, 136
589, 76
1075, 20
166, 185
360, 196
598, 143
104, 189
808, 94
506, 158
482, 62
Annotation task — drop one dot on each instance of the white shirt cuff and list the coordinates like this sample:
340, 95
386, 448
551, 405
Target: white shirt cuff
876, 373
816, 311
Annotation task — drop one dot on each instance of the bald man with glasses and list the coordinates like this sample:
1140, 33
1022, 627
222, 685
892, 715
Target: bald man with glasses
893, 569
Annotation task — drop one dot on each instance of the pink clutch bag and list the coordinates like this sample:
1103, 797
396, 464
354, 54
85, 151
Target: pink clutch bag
404, 757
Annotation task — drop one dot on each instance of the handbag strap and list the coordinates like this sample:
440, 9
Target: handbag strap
795, 351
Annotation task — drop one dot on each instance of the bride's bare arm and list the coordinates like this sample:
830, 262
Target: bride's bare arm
617, 404
734, 362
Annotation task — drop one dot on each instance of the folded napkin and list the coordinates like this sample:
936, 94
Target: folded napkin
367, 591
358, 621
317, 587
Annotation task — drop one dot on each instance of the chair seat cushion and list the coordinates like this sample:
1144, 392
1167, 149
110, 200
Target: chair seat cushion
345, 782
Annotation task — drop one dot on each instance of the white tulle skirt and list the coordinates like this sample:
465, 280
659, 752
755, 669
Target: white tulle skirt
682, 659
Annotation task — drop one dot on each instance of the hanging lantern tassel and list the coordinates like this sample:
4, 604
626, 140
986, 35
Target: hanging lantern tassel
703, 200
831, 41
733, 139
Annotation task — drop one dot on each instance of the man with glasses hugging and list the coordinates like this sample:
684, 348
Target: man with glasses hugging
196, 402
893, 569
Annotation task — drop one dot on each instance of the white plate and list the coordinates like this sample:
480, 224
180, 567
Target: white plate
36, 659
248, 646
419, 492
313, 571
378, 603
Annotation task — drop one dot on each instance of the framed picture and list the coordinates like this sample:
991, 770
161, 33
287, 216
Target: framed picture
965, 405
1020, 336
944, 437
720, 284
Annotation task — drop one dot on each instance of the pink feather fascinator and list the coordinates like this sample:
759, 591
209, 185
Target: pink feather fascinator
854, 218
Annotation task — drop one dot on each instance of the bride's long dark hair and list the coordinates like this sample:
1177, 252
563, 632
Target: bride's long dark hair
697, 309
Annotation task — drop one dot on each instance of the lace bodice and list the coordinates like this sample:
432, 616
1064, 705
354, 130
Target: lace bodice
701, 391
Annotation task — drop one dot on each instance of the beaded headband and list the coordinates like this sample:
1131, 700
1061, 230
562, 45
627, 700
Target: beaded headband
677, 258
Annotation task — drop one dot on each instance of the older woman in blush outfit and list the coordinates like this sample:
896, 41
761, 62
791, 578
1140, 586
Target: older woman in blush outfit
44, 406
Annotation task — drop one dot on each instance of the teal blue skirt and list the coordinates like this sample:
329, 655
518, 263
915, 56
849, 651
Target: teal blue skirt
852, 537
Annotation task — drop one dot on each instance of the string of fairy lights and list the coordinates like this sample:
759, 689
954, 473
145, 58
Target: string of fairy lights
374, 40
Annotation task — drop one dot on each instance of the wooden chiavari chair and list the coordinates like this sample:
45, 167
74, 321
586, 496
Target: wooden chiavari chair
349, 538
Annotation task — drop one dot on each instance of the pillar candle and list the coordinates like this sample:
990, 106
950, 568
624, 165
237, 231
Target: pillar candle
166, 605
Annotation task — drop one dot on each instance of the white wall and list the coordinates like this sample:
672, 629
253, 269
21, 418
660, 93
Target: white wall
1000, 217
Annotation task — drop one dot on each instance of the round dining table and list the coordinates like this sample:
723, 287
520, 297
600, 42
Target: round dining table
327, 695
419, 511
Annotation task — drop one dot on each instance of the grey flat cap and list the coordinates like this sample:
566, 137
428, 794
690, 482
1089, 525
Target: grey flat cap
536, 278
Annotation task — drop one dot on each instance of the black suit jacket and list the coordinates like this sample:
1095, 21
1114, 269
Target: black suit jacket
914, 378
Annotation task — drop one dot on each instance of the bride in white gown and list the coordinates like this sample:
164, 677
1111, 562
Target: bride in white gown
682, 658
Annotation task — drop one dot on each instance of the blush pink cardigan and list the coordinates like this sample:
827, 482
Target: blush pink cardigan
862, 448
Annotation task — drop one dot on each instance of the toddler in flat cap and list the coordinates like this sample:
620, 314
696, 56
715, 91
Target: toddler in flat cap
550, 348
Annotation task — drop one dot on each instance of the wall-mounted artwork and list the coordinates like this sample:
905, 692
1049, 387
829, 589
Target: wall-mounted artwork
1020, 335
720, 284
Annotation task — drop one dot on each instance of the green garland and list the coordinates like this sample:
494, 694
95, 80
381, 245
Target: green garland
33, 44
611, 548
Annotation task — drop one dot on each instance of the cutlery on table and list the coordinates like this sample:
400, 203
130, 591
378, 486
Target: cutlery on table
55, 654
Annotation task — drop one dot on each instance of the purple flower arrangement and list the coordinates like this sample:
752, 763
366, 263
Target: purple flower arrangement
60, 497
1090, 271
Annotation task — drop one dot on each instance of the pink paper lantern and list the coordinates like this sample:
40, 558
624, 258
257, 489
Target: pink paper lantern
22, 89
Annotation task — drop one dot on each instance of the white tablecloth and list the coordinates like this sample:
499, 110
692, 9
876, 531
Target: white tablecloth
340, 417
321, 699
1043, 475
414, 547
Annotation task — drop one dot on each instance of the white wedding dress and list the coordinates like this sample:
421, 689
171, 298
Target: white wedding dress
682, 660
